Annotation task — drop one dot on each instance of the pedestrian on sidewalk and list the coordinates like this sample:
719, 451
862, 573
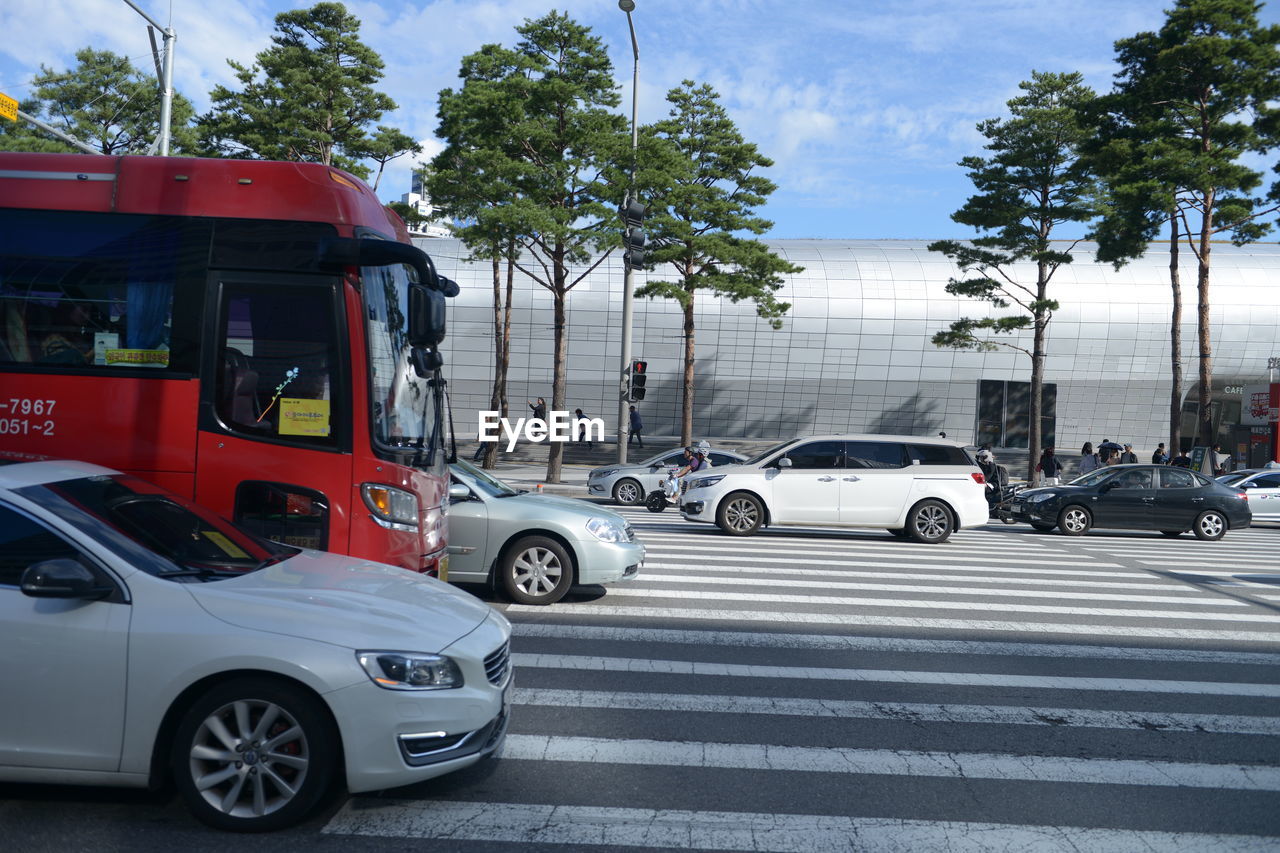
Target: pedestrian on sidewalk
1127, 456
582, 427
636, 427
1221, 461
1088, 459
539, 409
1160, 457
1049, 468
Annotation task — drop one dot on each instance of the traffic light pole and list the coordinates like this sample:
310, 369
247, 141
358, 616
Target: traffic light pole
628, 279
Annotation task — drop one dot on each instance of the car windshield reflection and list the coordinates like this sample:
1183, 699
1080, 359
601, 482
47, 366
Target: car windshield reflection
483, 481
159, 532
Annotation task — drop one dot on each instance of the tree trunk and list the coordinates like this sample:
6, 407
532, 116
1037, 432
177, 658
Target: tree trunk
499, 358
1175, 343
1206, 344
1040, 326
555, 455
686, 412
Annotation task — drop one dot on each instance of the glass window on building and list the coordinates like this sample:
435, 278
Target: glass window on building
1004, 413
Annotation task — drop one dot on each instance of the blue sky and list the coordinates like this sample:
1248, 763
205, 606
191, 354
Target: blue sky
865, 106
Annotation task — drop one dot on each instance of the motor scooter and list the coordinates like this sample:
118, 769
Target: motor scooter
1002, 508
667, 493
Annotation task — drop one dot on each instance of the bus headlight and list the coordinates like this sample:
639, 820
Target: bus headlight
392, 508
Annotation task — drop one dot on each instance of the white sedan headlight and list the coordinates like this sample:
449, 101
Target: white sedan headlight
607, 530
410, 670
704, 482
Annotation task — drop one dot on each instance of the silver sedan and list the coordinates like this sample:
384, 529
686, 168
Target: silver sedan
628, 484
534, 546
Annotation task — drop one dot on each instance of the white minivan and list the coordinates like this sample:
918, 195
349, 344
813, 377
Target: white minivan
922, 488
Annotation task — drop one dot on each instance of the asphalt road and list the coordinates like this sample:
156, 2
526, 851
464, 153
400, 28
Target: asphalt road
812, 691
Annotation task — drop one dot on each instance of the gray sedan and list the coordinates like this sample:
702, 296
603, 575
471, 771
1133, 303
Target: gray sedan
628, 484
534, 546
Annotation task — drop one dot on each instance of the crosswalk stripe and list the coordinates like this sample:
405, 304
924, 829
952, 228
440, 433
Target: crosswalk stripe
934, 589
934, 604
915, 712
721, 555
608, 827
900, 564
893, 546
892, 762
961, 574
1167, 632
587, 663
856, 643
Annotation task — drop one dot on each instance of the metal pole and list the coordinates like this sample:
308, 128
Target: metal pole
67, 138
628, 280
166, 92
166, 81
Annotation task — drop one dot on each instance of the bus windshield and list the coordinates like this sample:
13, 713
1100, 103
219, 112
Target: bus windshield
407, 408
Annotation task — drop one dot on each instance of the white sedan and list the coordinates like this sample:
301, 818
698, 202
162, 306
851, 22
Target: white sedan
143, 637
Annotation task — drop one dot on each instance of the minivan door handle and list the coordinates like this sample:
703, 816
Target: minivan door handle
852, 479
825, 479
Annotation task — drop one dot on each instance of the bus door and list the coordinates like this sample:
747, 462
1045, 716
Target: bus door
274, 446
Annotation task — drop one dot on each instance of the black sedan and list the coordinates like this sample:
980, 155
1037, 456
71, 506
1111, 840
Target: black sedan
1137, 497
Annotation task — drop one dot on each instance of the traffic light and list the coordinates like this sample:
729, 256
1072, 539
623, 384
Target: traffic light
639, 375
632, 214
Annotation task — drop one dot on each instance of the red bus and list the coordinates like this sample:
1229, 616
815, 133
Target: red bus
258, 336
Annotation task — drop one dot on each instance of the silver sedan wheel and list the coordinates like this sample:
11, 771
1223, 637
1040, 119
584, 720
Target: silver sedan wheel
628, 492
249, 758
537, 571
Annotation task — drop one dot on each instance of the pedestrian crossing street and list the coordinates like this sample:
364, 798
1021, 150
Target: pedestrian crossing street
809, 690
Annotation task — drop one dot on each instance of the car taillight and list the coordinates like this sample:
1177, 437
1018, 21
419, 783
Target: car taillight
979, 478
1244, 496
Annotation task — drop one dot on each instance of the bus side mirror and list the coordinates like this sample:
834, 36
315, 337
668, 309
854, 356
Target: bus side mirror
426, 317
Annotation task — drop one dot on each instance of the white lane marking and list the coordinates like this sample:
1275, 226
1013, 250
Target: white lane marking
1207, 601
705, 669
853, 643
607, 827
901, 711
772, 565
1165, 632
1152, 582
1216, 573
721, 555
665, 541
933, 604
891, 762
1244, 565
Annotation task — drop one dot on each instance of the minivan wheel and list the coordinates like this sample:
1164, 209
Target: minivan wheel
929, 522
254, 755
1210, 526
536, 570
740, 514
1074, 520
628, 492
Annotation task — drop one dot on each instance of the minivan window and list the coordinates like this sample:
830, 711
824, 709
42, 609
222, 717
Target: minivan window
938, 454
877, 454
817, 454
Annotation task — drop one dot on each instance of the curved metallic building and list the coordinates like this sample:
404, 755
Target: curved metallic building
855, 355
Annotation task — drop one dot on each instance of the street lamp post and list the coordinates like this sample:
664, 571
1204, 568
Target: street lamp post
628, 282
